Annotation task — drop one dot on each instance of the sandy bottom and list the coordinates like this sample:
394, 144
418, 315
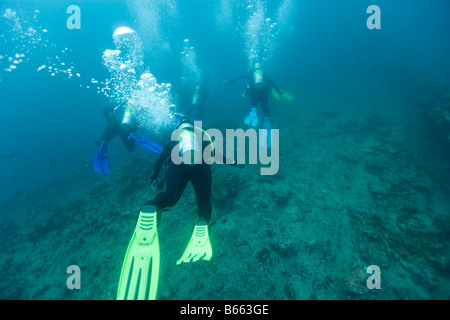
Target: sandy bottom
354, 189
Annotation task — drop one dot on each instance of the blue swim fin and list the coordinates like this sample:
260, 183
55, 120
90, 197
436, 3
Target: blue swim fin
266, 134
252, 118
147, 144
101, 159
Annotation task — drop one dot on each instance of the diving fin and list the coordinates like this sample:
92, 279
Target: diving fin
140, 269
199, 247
147, 144
265, 136
252, 118
101, 159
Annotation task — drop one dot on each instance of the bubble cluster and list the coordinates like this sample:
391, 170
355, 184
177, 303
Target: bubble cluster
130, 86
153, 103
56, 65
224, 15
23, 38
154, 20
123, 81
190, 69
16, 38
259, 33
285, 17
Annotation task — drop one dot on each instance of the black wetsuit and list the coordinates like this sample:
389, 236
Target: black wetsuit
177, 177
258, 94
185, 100
114, 128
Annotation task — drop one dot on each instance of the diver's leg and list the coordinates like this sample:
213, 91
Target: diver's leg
176, 180
264, 101
128, 141
253, 98
109, 133
200, 176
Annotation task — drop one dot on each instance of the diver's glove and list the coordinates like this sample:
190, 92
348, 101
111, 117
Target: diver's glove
154, 185
98, 143
245, 92
239, 165
103, 147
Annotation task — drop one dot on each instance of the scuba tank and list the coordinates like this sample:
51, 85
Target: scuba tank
127, 119
190, 152
258, 78
196, 97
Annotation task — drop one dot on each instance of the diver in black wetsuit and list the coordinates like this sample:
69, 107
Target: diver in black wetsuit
258, 90
120, 123
177, 176
191, 100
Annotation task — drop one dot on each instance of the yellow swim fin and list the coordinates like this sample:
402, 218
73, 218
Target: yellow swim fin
199, 247
140, 269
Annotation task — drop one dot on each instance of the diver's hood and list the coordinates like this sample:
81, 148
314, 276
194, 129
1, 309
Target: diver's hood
185, 123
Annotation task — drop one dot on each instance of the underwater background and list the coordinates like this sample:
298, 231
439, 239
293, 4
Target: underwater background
364, 175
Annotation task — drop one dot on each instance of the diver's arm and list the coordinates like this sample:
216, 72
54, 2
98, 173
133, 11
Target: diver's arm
228, 160
159, 162
239, 77
269, 81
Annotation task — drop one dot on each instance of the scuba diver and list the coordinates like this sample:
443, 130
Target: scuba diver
121, 122
185, 163
258, 91
191, 100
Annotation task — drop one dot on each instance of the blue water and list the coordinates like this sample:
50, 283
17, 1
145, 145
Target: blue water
323, 54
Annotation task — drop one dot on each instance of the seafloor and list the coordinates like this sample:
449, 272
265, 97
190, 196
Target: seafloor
357, 186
